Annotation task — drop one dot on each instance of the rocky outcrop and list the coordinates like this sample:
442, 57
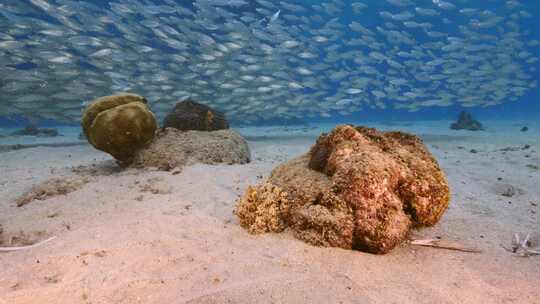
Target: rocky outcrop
190, 115
119, 125
173, 149
357, 188
466, 122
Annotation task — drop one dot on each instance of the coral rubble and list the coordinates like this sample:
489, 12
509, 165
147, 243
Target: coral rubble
357, 188
52, 187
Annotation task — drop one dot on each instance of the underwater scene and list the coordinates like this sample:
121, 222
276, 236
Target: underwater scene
269, 151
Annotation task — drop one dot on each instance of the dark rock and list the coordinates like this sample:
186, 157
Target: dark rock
32, 130
466, 122
190, 115
524, 129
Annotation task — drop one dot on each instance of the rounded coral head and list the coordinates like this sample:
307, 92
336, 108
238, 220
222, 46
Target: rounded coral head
119, 124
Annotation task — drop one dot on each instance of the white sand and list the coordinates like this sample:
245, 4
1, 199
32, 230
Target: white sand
117, 244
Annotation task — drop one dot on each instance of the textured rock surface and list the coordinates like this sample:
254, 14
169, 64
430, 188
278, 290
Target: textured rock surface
190, 115
119, 125
466, 122
357, 188
173, 148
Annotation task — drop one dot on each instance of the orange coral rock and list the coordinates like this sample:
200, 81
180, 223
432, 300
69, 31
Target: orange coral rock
357, 188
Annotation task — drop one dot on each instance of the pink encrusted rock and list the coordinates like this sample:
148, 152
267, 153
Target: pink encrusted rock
357, 188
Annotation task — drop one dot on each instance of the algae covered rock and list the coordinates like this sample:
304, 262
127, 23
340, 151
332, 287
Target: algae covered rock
357, 188
119, 125
173, 148
466, 122
190, 115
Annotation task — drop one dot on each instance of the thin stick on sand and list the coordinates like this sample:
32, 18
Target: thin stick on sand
9, 249
442, 244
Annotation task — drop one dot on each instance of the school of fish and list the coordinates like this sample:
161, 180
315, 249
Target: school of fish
263, 59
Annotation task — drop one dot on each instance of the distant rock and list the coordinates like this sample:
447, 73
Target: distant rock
190, 115
32, 130
173, 149
119, 125
515, 148
466, 122
357, 188
524, 129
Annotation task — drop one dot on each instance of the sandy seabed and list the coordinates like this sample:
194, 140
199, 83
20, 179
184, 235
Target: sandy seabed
160, 237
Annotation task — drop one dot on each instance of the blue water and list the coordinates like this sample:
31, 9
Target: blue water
526, 107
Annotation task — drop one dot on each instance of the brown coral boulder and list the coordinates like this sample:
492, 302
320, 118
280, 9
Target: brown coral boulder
119, 125
357, 188
190, 115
